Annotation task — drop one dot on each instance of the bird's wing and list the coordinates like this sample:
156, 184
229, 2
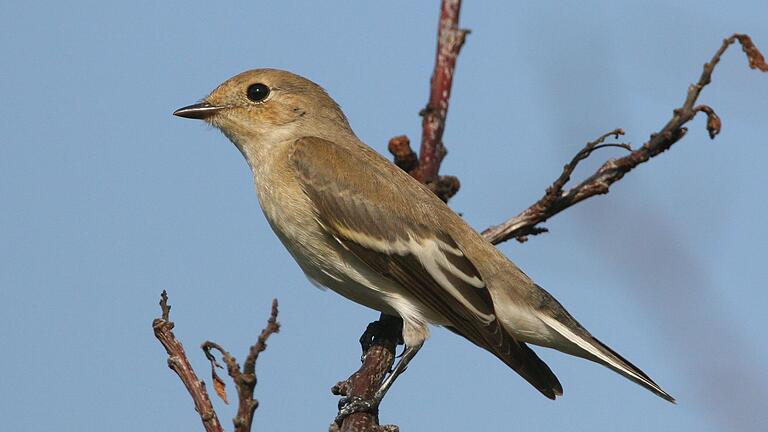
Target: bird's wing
385, 222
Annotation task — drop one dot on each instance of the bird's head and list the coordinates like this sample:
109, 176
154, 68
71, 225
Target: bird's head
266, 106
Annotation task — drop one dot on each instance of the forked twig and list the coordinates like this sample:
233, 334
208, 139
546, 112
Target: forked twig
556, 199
178, 362
244, 379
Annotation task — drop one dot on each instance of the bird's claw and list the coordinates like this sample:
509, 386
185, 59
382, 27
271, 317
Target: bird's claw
371, 332
354, 404
378, 329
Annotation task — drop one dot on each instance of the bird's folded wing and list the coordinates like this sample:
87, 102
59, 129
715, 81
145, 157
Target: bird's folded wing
384, 220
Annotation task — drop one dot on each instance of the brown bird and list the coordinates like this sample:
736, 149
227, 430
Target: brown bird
357, 224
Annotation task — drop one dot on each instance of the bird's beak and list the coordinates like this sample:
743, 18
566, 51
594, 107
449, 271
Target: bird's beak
199, 111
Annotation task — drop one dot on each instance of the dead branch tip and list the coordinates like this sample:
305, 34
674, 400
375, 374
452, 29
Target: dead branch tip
164, 306
556, 199
755, 58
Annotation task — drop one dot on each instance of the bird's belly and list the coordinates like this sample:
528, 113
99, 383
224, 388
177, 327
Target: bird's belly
324, 262
352, 290
329, 265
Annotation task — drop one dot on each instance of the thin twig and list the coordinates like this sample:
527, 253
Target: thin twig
178, 362
247, 381
245, 378
556, 199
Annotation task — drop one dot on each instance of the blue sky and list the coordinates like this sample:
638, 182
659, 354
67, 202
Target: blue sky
107, 200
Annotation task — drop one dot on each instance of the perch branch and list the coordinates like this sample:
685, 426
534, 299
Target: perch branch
379, 345
557, 199
450, 39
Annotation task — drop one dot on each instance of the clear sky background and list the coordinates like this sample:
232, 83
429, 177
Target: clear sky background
106, 200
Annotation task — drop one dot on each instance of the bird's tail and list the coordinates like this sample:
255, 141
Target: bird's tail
588, 347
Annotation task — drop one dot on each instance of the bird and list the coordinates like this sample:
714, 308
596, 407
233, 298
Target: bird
359, 225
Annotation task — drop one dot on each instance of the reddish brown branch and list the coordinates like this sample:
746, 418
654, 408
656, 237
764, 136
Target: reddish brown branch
425, 167
178, 362
444, 187
556, 199
379, 353
404, 157
450, 39
379, 343
245, 380
756, 60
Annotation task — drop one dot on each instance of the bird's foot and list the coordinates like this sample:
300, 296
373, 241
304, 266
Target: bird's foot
355, 404
373, 331
385, 327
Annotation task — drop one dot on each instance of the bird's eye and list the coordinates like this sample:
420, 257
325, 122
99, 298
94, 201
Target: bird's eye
258, 92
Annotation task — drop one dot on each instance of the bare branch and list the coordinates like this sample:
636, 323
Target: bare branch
556, 199
178, 362
261, 344
245, 380
450, 39
405, 158
379, 352
379, 343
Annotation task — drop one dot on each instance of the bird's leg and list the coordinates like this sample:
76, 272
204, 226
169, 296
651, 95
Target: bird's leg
408, 354
360, 391
354, 404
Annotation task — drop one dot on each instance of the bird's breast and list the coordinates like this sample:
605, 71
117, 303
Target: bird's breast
324, 261
292, 218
